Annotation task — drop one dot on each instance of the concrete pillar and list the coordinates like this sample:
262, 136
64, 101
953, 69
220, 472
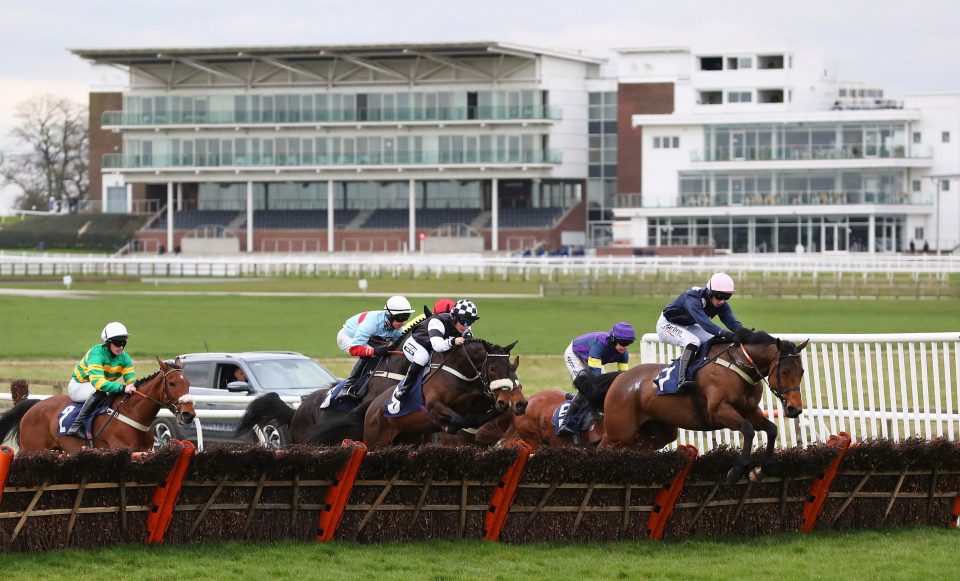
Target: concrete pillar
871, 234
494, 215
330, 221
169, 216
249, 217
412, 220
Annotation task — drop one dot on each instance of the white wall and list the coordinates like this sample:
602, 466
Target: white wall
940, 113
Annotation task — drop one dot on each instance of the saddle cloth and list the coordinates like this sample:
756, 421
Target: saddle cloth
414, 402
668, 382
69, 414
331, 404
581, 422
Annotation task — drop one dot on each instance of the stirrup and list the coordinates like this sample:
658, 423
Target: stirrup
347, 395
78, 433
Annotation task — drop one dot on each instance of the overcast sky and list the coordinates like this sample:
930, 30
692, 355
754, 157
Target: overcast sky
902, 46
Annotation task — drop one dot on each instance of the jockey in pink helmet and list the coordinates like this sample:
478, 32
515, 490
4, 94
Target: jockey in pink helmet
686, 322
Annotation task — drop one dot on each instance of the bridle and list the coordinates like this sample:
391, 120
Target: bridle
482, 373
781, 392
168, 402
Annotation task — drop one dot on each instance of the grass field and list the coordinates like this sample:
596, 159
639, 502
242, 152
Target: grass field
896, 554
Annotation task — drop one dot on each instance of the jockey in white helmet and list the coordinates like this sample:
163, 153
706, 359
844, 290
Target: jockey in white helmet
364, 330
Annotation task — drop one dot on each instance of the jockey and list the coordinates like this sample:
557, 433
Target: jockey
378, 327
442, 332
591, 352
686, 323
105, 369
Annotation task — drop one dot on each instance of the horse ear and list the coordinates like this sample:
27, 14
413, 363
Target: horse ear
801, 346
516, 362
160, 361
778, 345
176, 362
427, 311
510, 346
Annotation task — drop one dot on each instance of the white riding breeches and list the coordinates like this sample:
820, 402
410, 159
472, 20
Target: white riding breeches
344, 341
679, 335
415, 352
79, 392
574, 364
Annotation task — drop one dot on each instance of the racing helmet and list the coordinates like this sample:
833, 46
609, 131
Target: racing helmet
721, 283
623, 333
398, 308
465, 311
114, 330
442, 306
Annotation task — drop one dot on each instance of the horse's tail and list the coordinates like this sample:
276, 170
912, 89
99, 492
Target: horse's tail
347, 426
10, 420
267, 407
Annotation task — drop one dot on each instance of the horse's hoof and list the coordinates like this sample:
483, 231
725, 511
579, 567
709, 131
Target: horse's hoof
756, 475
734, 475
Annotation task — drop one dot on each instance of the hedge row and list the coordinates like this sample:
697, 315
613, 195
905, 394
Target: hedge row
433, 492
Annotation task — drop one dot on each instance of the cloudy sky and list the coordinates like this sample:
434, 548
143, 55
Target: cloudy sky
902, 46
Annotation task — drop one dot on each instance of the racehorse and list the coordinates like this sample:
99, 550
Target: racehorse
389, 371
535, 427
38, 420
727, 395
465, 388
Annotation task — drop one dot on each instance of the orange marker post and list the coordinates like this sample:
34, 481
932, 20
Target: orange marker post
820, 488
339, 492
667, 497
505, 492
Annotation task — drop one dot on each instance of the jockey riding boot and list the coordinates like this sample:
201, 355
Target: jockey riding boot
401, 391
349, 392
689, 352
76, 428
578, 404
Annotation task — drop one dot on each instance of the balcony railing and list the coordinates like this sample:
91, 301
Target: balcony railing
437, 114
119, 161
805, 152
806, 198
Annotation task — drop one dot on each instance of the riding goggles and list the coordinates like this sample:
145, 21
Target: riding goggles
624, 342
465, 322
722, 295
401, 317
119, 341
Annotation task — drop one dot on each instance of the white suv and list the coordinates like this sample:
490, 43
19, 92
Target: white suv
284, 372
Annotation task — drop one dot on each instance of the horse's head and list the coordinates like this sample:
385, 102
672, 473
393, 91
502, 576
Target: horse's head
785, 374
175, 394
499, 374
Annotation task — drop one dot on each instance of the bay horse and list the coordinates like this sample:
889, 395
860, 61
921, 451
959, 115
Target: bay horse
535, 427
302, 421
464, 388
728, 392
37, 421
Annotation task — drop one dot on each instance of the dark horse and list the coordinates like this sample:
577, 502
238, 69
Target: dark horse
728, 394
465, 388
37, 420
535, 427
389, 371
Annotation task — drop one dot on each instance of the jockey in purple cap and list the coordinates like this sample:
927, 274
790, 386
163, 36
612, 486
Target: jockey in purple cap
589, 353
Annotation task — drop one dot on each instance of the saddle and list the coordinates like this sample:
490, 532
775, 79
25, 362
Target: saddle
70, 412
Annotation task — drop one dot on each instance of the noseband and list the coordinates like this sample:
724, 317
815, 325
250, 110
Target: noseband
482, 372
781, 392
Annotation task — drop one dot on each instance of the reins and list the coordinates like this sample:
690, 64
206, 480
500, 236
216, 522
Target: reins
167, 404
781, 393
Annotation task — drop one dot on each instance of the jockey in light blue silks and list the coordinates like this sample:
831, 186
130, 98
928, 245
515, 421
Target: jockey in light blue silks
378, 327
588, 354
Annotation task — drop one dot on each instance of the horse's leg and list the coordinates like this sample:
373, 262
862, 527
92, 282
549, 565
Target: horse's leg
730, 418
760, 421
450, 421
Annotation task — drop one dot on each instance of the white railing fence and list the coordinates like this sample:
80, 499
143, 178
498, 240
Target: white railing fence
24, 264
868, 385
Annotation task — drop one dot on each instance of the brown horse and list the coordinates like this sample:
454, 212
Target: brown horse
38, 421
465, 388
303, 420
535, 427
728, 394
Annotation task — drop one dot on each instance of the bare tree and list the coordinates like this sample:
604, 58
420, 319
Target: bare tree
52, 152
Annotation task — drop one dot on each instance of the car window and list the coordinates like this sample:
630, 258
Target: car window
227, 374
277, 374
198, 373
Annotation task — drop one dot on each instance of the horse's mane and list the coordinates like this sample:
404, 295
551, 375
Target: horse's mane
752, 337
143, 380
488, 346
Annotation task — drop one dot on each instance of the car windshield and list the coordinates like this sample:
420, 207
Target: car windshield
275, 374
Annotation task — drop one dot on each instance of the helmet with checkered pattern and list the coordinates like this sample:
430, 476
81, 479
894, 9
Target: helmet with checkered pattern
465, 311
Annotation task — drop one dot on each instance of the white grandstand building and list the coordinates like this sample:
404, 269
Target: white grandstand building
489, 146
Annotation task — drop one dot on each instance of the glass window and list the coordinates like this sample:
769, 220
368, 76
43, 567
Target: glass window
945, 136
945, 186
656, 143
289, 374
916, 185
916, 137
676, 142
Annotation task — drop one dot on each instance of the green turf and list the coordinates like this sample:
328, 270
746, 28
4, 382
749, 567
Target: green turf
896, 554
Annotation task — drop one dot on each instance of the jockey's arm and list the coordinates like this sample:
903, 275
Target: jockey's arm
695, 308
728, 318
439, 341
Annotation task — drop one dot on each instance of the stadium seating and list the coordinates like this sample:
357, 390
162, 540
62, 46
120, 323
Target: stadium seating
529, 217
190, 219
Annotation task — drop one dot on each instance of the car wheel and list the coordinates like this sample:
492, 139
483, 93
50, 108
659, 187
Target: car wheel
274, 436
164, 431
